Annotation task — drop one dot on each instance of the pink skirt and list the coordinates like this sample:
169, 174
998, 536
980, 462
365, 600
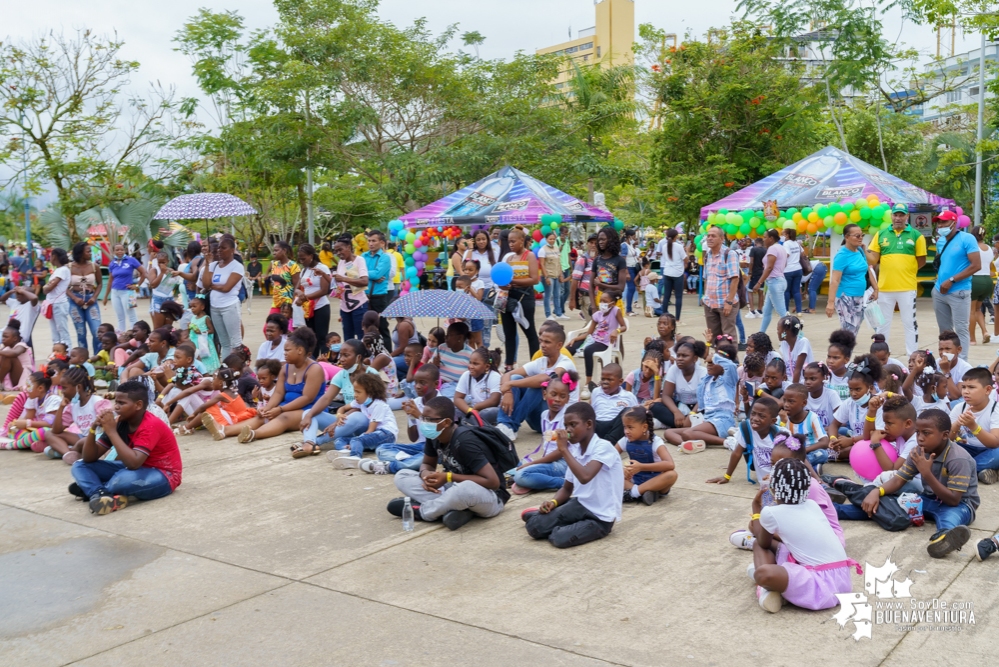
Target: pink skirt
813, 589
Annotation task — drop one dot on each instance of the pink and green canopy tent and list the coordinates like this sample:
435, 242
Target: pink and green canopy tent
825, 177
506, 197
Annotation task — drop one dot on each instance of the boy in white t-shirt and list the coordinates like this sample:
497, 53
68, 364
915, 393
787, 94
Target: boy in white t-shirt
609, 400
762, 427
975, 423
393, 457
589, 502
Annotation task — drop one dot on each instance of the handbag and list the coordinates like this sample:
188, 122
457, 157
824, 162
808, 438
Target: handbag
47, 310
806, 265
742, 291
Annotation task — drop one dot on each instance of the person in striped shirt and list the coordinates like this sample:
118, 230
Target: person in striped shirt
452, 357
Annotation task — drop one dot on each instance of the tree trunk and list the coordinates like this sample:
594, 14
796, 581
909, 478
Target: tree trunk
303, 205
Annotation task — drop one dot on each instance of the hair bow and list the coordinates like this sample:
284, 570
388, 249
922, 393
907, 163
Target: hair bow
894, 377
567, 381
725, 337
788, 441
927, 371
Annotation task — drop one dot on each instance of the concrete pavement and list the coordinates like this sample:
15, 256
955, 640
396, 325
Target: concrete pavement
259, 559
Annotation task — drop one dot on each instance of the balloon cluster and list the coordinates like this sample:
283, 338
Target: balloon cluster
868, 213
415, 246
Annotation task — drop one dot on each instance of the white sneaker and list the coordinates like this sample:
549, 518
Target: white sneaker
584, 394
731, 430
742, 539
730, 443
769, 600
507, 431
750, 315
334, 454
346, 462
562, 317
374, 467
751, 572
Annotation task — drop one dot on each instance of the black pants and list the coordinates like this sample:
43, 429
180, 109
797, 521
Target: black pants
588, 353
568, 525
612, 430
672, 287
510, 327
378, 304
320, 325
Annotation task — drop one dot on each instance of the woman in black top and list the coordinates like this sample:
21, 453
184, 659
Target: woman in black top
610, 270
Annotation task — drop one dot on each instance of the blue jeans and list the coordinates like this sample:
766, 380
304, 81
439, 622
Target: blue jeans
352, 322
553, 293
815, 282
738, 325
542, 475
793, 279
629, 288
774, 301
408, 388
114, 478
356, 423
565, 294
945, 516
389, 452
401, 367
58, 326
527, 406
817, 457
985, 458
447, 389
364, 442
84, 317
670, 286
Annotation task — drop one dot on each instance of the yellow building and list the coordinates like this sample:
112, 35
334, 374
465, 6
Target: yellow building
608, 42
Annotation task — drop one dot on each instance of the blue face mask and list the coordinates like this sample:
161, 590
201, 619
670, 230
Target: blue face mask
941, 398
351, 369
367, 402
335, 348
430, 431
863, 401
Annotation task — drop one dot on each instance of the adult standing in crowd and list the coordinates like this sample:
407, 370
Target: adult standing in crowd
461, 245
610, 270
582, 278
959, 260
352, 274
550, 258
122, 291
483, 252
721, 299
792, 271
521, 291
494, 238
901, 252
55, 290
847, 284
84, 286
224, 277
981, 285
672, 259
754, 264
629, 249
379, 265
774, 261
565, 247
287, 270
314, 290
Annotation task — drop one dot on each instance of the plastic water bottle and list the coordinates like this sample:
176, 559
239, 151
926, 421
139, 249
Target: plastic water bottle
407, 516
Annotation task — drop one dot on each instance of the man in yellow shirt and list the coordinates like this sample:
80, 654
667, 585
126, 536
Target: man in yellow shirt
901, 251
400, 266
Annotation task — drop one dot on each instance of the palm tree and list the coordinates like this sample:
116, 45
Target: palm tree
120, 222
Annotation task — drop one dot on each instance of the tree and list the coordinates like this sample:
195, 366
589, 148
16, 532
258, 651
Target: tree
62, 101
731, 113
473, 39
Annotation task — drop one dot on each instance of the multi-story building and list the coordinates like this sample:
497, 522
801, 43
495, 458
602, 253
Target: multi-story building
959, 72
608, 42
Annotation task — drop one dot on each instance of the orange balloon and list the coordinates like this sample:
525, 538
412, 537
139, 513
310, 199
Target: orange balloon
802, 225
813, 227
840, 218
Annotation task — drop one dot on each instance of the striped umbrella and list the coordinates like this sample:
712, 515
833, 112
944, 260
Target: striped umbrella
438, 303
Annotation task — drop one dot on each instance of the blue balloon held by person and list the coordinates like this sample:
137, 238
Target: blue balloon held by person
502, 274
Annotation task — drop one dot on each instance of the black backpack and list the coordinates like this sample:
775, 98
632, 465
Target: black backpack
502, 447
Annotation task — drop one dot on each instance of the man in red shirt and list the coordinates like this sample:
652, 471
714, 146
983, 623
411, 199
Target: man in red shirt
147, 466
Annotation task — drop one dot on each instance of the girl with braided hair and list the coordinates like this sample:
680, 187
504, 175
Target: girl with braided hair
809, 566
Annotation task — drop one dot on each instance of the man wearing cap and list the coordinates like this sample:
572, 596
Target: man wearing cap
901, 252
959, 260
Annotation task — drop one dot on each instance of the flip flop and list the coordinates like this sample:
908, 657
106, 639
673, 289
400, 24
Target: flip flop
692, 446
213, 427
298, 451
247, 435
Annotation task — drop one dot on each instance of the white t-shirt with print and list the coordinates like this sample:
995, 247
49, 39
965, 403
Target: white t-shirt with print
220, 276
609, 406
603, 494
790, 356
921, 404
762, 448
58, 293
987, 418
853, 416
685, 392
476, 391
540, 367
840, 385
311, 280
824, 406
549, 425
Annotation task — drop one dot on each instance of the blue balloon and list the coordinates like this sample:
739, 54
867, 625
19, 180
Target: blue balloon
411, 272
502, 274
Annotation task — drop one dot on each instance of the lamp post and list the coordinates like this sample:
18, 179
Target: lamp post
27, 205
981, 131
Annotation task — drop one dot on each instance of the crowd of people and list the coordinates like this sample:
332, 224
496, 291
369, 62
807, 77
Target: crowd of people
925, 428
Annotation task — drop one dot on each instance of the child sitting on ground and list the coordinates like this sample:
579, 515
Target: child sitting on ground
104, 370
774, 379
37, 415
650, 472
802, 421
79, 356
392, 458
267, 375
130, 342
225, 409
975, 423
589, 502
795, 349
646, 382
716, 396
17, 362
548, 472
77, 413
413, 354
452, 358
925, 386
808, 567
755, 435
649, 284
822, 400
370, 400
184, 393
852, 412
880, 349
147, 462
750, 379
609, 401
950, 363
950, 488
760, 343
435, 338
479, 386
60, 351
841, 344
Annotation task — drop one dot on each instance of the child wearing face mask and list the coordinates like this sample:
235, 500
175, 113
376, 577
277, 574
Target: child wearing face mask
605, 327
852, 412
925, 386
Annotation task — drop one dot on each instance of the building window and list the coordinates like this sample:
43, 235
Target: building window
572, 49
598, 52
586, 57
973, 91
953, 96
584, 47
559, 86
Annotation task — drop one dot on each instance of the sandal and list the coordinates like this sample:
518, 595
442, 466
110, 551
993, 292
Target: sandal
247, 435
692, 446
183, 430
298, 451
213, 427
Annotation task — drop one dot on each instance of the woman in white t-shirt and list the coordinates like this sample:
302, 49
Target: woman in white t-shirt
678, 397
313, 294
483, 252
223, 276
671, 262
792, 270
55, 290
981, 285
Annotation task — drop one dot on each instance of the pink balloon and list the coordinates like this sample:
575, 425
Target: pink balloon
963, 221
865, 462
417, 243
959, 211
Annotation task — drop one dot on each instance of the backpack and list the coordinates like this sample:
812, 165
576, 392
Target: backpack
502, 448
747, 437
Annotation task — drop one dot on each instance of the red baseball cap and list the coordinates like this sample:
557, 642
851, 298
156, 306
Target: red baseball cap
947, 215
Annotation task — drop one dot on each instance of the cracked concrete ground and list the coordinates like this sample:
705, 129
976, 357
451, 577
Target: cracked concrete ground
259, 559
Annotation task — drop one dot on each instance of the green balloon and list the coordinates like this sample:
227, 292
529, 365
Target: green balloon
861, 203
697, 240
847, 206
618, 225
409, 261
829, 221
789, 213
823, 211
838, 229
744, 228
865, 213
410, 237
730, 228
410, 248
805, 212
746, 215
754, 222
546, 230
732, 218
863, 223
834, 208
723, 211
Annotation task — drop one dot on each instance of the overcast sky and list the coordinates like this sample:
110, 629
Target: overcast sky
148, 27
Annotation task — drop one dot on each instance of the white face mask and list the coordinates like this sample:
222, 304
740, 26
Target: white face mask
604, 307
943, 232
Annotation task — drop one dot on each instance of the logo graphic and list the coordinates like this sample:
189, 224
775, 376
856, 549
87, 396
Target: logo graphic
895, 605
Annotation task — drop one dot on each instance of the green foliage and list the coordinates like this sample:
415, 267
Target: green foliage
899, 138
